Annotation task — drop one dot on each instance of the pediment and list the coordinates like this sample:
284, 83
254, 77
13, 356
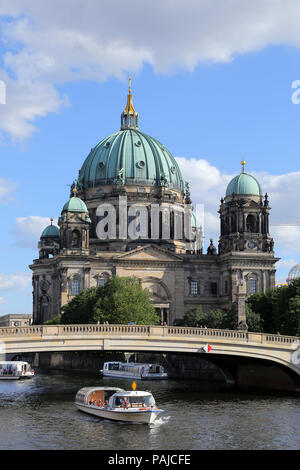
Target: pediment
149, 253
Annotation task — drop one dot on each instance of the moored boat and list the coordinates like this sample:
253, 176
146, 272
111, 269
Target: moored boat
117, 404
133, 370
13, 370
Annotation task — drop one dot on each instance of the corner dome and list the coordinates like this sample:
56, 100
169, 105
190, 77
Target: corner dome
75, 204
50, 231
244, 184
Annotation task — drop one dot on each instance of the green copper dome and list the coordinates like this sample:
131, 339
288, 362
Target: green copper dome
75, 204
50, 231
244, 184
130, 157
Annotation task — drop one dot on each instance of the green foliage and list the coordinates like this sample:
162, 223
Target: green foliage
279, 309
121, 300
220, 319
54, 321
196, 317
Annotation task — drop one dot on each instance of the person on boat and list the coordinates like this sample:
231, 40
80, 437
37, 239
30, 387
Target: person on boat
125, 403
100, 404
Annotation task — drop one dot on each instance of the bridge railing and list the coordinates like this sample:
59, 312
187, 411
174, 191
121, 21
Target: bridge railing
144, 330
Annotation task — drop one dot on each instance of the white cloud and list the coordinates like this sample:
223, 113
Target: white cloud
68, 40
17, 281
29, 229
7, 188
286, 263
2, 301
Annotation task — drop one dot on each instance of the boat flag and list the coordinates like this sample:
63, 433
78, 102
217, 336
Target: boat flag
207, 348
133, 386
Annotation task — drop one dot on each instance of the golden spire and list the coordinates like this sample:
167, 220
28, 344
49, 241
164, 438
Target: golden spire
75, 191
129, 117
129, 107
243, 163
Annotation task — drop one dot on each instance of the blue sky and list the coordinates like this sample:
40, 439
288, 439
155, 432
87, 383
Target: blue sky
210, 98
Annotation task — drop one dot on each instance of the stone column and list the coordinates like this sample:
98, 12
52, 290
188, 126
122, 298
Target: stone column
241, 323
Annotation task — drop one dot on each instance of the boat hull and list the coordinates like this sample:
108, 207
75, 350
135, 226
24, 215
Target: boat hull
17, 376
130, 416
12, 377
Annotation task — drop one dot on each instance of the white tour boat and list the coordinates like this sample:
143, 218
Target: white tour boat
117, 404
10, 370
133, 370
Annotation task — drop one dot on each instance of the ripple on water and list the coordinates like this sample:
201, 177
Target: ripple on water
40, 414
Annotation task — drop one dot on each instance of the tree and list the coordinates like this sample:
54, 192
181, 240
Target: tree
121, 300
193, 317
196, 317
279, 309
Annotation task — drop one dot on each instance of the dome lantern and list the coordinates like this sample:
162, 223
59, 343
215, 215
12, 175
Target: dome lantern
129, 117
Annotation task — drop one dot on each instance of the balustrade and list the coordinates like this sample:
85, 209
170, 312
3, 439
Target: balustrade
145, 330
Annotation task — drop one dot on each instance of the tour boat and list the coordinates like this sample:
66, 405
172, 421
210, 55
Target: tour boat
133, 370
117, 404
12, 370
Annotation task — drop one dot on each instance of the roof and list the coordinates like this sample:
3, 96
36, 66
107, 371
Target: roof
130, 157
133, 394
75, 204
50, 231
244, 184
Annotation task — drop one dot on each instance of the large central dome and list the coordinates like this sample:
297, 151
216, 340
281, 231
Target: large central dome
130, 157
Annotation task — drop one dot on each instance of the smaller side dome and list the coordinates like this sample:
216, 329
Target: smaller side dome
51, 231
244, 184
75, 204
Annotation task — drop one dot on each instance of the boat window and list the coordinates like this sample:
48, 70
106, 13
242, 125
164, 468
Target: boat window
135, 402
114, 366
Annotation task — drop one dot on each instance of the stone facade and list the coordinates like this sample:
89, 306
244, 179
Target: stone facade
130, 214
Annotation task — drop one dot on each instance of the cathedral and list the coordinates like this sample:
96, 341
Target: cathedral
130, 213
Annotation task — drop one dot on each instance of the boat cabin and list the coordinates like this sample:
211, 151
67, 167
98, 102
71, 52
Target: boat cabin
135, 399
133, 368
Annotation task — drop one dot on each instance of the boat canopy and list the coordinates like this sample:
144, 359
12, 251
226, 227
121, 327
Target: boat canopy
87, 394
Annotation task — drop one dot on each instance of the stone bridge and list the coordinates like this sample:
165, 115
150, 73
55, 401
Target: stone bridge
227, 347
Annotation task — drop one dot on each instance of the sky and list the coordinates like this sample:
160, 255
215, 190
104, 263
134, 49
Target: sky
216, 81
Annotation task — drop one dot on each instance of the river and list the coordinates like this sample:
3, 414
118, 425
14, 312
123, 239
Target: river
39, 413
